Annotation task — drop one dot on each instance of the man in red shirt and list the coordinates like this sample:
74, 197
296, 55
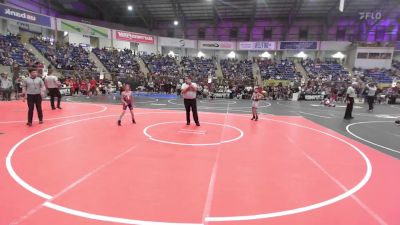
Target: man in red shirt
93, 86
84, 87
69, 84
75, 86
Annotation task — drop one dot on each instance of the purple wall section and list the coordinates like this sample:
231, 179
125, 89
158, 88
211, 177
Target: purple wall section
384, 30
33, 5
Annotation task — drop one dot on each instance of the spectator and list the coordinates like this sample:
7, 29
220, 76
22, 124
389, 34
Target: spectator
5, 87
93, 87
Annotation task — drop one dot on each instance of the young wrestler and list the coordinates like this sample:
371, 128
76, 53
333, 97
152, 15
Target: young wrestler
127, 101
256, 97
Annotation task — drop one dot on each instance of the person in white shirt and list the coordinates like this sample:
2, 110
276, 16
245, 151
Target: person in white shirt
371, 87
52, 84
6, 87
350, 95
256, 97
178, 89
189, 91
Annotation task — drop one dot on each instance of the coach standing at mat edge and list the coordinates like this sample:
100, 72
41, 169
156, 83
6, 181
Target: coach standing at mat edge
188, 92
33, 89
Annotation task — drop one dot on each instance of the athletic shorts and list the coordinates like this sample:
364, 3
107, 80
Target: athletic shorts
255, 104
124, 107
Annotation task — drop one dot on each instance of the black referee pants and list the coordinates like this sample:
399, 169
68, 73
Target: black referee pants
371, 102
349, 109
54, 92
191, 104
34, 100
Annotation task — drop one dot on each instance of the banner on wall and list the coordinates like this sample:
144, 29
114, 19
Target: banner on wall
24, 16
298, 45
82, 28
176, 42
24, 26
257, 45
310, 97
133, 37
221, 45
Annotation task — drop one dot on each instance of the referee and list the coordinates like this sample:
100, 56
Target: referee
188, 92
32, 89
52, 84
350, 95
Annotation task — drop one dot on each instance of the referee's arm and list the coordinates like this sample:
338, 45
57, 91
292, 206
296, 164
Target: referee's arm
186, 88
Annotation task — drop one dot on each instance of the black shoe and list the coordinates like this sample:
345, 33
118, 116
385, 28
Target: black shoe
119, 122
133, 121
53, 108
253, 118
198, 124
256, 119
188, 124
29, 124
41, 122
397, 122
59, 107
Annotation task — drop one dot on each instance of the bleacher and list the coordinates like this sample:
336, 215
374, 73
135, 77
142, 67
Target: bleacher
325, 71
281, 70
12, 50
119, 63
237, 71
199, 68
161, 64
379, 76
65, 57
396, 64
163, 71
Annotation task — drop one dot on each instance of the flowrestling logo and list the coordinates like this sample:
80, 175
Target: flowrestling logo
24, 15
370, 15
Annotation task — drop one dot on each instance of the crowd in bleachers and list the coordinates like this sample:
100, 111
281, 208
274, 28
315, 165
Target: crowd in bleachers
237, 71
396, 64
277, 70
199, 68
64, 56
375, 75
164, 73
119, 63
13, 51
161, 65
325, 71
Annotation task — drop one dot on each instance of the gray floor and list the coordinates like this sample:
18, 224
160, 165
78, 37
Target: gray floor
376, 129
